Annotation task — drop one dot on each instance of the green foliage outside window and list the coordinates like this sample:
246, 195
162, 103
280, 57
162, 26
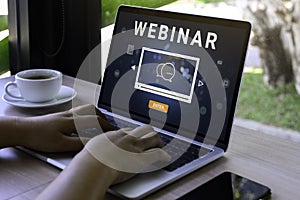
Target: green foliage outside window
4, 56
278, 107
4, 65
3, 22
109, 8
210, 1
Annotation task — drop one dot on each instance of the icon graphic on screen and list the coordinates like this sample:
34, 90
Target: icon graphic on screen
165, 71
200, 83
168, 74
130, 49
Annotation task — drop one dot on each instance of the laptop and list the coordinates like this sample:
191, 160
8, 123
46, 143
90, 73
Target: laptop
181, 74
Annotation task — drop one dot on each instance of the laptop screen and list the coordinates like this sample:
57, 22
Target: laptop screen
176, 71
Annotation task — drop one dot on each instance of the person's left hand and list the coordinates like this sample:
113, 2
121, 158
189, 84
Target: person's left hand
51, 133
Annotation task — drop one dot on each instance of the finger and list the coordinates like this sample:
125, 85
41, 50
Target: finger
150, 142
141, 131
148, 135
126, 130
91, 121
153, 159
157, 154
88, 109
83, 110
80, 123
122, 160
93, 111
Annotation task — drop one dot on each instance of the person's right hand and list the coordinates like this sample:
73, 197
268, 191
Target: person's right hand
128, 151
107, 159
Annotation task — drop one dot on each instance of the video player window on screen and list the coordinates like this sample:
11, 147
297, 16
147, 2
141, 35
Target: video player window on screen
161, 58
167, 74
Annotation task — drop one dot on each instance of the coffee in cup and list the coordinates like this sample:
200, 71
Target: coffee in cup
35, 85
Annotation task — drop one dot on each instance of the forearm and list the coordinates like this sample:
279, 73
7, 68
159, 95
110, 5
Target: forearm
12, 132
84, 178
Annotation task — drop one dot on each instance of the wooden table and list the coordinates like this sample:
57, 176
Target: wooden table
267, 159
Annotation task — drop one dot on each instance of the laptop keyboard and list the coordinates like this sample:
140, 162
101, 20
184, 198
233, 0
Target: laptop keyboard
191, 153
120, 123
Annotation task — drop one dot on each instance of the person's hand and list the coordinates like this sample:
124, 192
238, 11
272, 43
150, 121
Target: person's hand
128, 151
92, 171
51, 133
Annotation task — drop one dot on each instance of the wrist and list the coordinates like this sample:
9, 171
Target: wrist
23, 131
85, 175
105, 175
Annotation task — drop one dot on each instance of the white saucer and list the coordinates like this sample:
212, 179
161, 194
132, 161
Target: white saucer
64, 95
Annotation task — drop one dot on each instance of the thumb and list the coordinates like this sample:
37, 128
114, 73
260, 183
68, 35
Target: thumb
157, 154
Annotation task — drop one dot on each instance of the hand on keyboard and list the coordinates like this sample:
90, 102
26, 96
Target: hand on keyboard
90, 111
128, 150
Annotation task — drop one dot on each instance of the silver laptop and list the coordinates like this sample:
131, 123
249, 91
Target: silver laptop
180, 73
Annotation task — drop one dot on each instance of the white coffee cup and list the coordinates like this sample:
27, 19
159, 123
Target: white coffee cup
35, 85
